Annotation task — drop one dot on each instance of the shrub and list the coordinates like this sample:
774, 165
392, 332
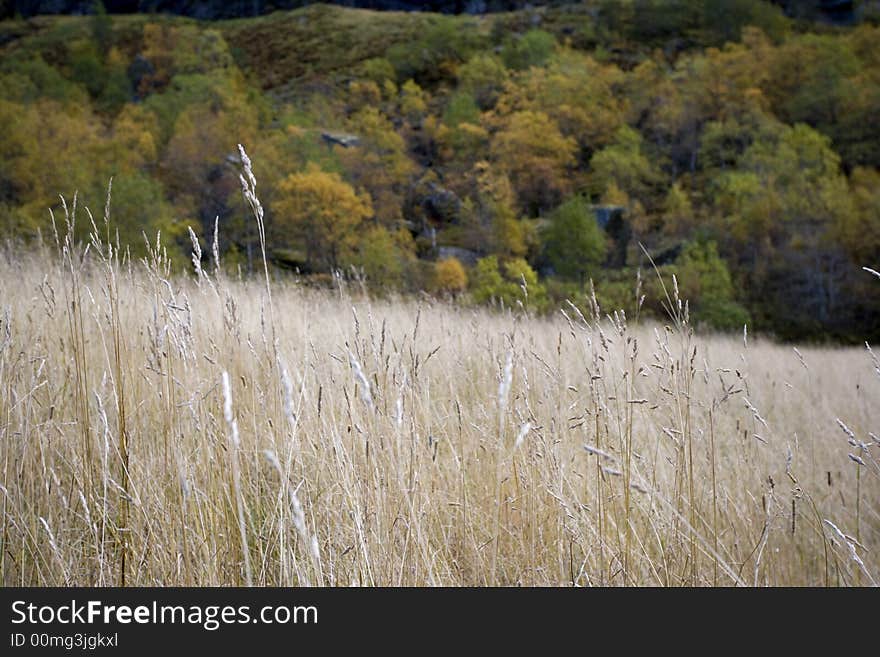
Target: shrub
532, 49
462, 108
517, 284
704, 281
449, 276
573, 241
382, 258
483, 77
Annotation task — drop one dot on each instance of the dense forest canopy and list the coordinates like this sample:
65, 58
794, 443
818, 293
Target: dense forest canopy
527, 156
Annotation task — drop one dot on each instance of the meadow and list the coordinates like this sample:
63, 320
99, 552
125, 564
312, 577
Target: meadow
206, 429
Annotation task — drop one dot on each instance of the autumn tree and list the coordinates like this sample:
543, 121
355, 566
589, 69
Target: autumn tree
673, 106
323, 214
494, 209
809, 80
413, 102
577, 93
136, 138
781, 209
483, 78
379, 163
537, 157
679, 217
47, 149
450, 276
477, 213
363, 93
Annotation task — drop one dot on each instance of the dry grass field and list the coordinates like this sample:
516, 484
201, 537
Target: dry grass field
200, 430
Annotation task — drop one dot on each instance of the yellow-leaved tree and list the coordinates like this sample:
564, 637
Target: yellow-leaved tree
450, 277
322, 213
536, 157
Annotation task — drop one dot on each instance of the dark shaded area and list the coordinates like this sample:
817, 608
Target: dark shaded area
836, 11
219, 9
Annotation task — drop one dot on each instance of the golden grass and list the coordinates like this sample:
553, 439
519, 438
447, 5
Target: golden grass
154, 432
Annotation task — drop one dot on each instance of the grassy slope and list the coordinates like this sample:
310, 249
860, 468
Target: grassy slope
316, 40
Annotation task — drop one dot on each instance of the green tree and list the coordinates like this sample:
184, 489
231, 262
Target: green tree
624, 163
138, 207
435, 56
780, 215
574, 243
383, 257
724, 20
462, 108
705, 282
102, 28
578, 93
679, 218
512, 283
533, 48
859, 231
483, 77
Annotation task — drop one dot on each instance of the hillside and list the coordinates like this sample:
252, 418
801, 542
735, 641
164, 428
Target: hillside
511, 157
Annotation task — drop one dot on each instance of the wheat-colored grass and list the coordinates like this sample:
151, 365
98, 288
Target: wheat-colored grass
191, 430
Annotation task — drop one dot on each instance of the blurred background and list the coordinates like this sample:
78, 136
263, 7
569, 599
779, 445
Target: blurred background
486, 151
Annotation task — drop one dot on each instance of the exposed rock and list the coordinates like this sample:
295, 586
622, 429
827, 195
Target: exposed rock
139, 69
441, 204
604, 214
464, 256
346, 141
612, 219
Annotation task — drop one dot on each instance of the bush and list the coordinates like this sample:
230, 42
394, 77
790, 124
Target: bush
378, 70
704, 281
382, 258
462, 108
483, 77
517, 284
534, 48
447, 43
449, 276
723, 315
